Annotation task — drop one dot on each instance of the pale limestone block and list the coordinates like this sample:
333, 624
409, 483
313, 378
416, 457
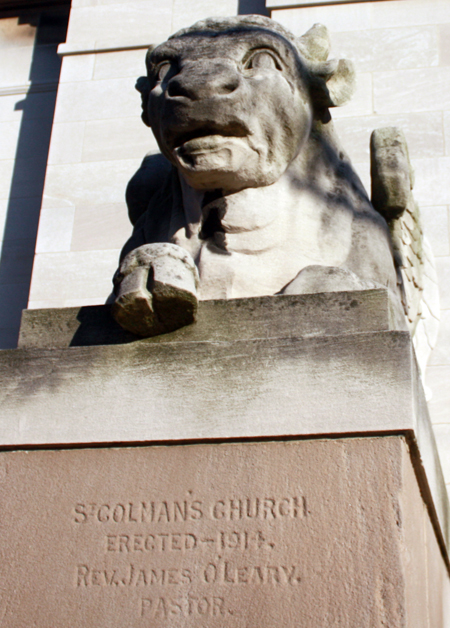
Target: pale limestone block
38, 105
444, 44
186, 12
49, 202
55, 230
123, 138
408, 12
412, 90
441, 353
121, 23
15, 66
100, 227
436, 227
67, 143
120, 64
447, 131
9, 132
423, 132
89, 183
10, 107
388, 48
343, 18
6, 171
39, 305
82, 302
77, 68
57, 303
14, 34
443, 272
25, 145
74, 275
437, 379
112, 98
361, 102
432, 177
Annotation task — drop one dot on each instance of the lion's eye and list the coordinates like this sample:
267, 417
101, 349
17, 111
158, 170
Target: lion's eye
262, 60
163, 69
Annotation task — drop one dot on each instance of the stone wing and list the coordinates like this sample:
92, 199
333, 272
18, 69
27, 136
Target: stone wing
392, 185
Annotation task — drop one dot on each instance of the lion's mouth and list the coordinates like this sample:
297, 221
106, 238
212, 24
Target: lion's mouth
208, 136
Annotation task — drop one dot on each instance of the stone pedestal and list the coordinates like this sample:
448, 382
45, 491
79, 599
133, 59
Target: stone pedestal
273, 464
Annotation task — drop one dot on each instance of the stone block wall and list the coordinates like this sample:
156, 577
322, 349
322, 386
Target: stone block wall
29, 72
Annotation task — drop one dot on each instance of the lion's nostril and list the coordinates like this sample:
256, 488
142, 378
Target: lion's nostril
175, 87
197, 85
229, 86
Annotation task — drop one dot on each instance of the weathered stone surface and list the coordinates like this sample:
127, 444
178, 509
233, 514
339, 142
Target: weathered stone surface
238, 319
220, 389
227, 535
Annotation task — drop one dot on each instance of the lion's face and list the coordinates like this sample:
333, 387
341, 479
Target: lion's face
230, 110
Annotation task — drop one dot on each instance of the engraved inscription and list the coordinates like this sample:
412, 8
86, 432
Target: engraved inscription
185, 541
229, 509
169, 548
169, 607
223, 572
131, 576
142, 512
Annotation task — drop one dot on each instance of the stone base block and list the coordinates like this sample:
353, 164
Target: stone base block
271, 465
324, 532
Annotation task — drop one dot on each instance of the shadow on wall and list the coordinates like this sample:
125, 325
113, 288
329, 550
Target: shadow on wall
255, 7
27, 180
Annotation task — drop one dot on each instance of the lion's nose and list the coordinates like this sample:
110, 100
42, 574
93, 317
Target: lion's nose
198, 83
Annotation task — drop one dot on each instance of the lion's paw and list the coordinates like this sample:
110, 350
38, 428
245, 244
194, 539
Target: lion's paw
155, 288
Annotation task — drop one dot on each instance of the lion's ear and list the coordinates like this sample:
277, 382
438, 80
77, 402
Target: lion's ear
333, 82
315, 43
143, 86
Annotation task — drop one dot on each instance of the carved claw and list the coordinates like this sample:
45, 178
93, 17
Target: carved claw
155, 288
